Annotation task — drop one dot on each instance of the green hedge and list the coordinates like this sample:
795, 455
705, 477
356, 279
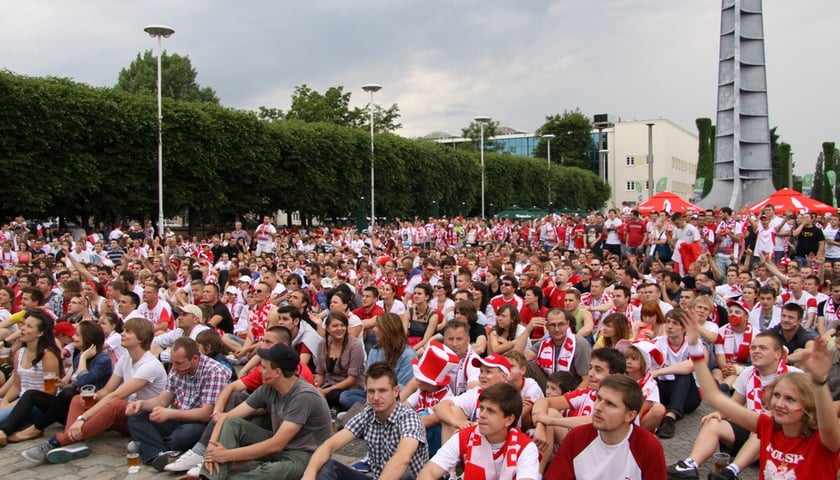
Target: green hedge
71, 150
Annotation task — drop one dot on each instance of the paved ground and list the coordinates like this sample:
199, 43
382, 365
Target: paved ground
107, 461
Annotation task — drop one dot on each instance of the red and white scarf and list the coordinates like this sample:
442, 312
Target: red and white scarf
545, 359
429, 399
479, 459
741, 352
755, 387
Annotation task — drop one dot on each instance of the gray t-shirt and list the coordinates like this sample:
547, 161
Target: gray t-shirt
303, 405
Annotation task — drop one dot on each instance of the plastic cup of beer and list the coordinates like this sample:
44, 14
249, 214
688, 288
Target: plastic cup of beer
88, 394
4, 356
50, 383
721, 461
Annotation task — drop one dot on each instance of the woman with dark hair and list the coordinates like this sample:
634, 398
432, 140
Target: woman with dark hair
388, 299
340, 302
442, 300
491, 281
421, 320
33, 360
481, 299
91, 366
465, 312
341, 361
392, 348
112, 326
509, 333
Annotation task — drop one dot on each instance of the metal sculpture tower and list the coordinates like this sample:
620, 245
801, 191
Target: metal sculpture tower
743, 167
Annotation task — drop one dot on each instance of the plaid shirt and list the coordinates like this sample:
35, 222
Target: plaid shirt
200, 388
383, 437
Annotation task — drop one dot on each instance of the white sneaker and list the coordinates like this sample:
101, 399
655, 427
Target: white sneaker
194, 472
185, 462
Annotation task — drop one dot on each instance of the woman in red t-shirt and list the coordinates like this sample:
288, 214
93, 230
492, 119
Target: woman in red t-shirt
799, 433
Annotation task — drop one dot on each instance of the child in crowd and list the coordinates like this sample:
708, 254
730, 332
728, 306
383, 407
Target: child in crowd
641, 358
432, 375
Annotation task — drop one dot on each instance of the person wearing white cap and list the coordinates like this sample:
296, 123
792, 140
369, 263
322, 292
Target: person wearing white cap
431, 372
461, 412
188, 318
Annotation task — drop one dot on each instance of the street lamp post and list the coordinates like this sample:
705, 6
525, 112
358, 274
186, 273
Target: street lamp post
548, 137
372, 88
159, 31
650, 160
482, 119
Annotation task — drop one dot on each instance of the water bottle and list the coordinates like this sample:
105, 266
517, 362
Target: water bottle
132, 456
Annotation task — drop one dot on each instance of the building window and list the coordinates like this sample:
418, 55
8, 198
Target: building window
646, 160
630, 186
647, 185
630, 160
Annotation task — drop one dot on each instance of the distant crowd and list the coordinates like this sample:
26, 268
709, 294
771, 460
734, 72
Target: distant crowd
564, 347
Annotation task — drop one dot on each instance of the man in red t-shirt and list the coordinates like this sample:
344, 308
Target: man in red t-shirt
636, 234
368, 312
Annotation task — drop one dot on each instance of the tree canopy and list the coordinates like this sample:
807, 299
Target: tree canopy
572, 143
177, 75
473, 132
333, 106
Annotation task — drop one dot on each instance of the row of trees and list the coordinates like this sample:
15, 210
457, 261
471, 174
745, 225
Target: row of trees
71, 150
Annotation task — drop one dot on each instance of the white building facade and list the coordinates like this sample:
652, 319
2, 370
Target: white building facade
674, 159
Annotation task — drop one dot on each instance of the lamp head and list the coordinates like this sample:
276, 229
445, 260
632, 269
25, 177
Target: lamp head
159, 31
372, 87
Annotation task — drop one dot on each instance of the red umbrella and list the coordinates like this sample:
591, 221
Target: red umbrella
667, 202
790, 200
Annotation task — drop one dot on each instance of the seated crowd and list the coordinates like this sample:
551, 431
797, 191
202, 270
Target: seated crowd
562, 348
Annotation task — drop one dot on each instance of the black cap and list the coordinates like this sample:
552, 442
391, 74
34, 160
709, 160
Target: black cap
281, 355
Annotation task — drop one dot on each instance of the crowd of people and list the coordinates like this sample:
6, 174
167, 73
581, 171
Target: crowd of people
455, 348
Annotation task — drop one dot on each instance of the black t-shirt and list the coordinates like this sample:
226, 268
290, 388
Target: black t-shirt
808, 241
227, 320
477, 330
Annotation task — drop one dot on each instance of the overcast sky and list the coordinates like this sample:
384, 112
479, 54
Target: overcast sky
444, 62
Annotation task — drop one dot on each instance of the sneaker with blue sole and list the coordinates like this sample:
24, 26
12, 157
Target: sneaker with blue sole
67, 453
362, 466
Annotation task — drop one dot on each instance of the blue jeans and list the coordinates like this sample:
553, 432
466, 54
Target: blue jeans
334, 470
349, 398
156, 438
680, 395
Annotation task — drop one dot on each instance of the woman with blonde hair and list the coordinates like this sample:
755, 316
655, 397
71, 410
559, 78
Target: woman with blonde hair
798, 433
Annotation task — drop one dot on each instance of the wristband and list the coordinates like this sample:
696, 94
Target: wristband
695, 352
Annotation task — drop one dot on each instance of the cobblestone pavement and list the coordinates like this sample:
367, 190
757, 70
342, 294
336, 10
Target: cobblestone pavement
107, 461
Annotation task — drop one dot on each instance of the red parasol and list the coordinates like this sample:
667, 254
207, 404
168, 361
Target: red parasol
667, 202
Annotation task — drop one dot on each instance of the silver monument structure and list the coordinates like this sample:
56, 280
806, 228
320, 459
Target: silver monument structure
743, 168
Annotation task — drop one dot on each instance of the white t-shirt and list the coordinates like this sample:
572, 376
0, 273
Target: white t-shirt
831, 251
148, 368
527, 463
